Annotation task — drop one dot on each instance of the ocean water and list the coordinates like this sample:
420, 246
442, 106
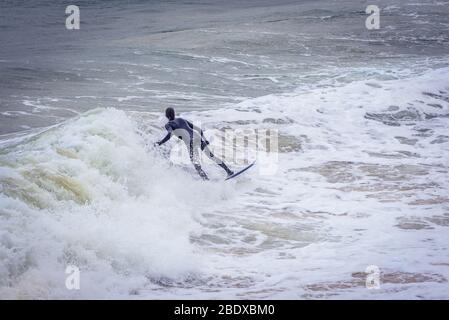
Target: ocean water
362, 162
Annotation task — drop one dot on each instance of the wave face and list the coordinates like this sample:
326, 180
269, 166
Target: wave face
362, 181
87, 193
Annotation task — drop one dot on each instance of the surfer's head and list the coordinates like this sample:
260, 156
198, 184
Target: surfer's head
170, 113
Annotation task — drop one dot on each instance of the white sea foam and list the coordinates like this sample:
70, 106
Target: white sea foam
362, 181
87, 193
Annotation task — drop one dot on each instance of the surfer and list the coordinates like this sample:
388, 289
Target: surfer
194, 139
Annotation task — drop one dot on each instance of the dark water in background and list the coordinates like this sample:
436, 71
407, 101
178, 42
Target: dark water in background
146, 55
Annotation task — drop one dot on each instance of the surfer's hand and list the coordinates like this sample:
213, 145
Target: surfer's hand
157, 144
206, 142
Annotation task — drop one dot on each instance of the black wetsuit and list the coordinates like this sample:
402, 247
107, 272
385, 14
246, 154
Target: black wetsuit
194, 139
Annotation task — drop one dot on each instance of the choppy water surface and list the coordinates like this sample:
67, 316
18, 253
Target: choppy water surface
362, 175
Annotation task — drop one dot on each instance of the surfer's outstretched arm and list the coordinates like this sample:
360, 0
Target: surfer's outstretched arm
166, 138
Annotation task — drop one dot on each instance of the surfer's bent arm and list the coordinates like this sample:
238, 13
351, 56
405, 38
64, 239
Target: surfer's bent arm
168, 136
196, 128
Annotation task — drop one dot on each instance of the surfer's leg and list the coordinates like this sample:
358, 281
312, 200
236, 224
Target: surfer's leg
218, 161
194, 157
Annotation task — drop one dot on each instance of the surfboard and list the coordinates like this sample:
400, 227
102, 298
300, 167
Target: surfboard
241, 171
